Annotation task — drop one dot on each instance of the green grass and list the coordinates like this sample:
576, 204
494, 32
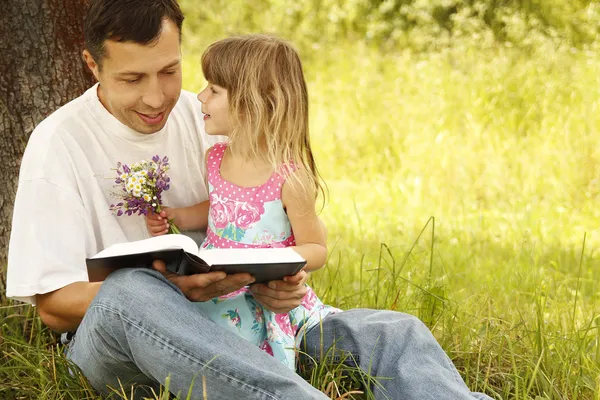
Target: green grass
501, 147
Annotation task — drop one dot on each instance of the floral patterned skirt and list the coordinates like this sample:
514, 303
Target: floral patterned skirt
277, 334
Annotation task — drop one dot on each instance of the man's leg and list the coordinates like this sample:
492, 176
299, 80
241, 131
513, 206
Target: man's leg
391, 345
140, 328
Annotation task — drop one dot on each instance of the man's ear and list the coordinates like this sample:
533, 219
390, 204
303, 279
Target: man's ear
91, 63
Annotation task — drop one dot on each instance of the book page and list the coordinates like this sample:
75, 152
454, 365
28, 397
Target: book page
152, 244
250, 256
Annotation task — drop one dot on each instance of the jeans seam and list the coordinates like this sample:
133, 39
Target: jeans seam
452, 369
182, 353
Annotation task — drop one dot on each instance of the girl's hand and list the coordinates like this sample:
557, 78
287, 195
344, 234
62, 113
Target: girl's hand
281, 296
158, 224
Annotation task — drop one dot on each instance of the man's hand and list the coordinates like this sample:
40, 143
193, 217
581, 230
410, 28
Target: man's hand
281, 296
203, 287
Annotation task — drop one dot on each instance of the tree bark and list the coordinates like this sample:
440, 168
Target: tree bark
41, 68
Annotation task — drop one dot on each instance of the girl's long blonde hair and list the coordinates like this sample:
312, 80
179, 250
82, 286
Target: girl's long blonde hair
268, 102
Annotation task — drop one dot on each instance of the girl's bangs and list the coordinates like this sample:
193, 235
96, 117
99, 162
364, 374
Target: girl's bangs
214, 67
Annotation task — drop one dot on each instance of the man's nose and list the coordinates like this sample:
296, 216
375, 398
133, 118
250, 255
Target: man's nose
154, 95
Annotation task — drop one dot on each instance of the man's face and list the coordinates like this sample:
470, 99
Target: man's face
140, 84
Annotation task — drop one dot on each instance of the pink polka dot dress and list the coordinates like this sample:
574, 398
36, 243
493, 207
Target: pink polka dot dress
254, 217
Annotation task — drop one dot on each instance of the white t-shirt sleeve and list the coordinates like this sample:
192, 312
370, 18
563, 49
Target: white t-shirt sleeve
48, 240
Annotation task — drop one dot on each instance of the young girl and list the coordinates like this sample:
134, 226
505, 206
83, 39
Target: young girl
262, 182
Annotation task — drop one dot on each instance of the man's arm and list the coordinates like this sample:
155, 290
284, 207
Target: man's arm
62, 310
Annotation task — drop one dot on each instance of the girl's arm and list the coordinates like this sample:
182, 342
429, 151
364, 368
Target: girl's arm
190, 218
186, 218
195, 217
308, 229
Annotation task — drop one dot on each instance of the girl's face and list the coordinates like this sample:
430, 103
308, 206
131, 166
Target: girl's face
215, 107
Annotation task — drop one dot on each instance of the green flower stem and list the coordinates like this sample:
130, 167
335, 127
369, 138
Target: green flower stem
172, 227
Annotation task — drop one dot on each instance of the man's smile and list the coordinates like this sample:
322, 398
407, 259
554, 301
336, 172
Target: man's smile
152, 119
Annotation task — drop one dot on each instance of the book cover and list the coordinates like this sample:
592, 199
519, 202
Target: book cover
181, 255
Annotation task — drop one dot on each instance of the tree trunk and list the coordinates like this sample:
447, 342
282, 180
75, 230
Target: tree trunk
41, 68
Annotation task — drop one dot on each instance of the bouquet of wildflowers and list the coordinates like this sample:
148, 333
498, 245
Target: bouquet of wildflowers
141, 186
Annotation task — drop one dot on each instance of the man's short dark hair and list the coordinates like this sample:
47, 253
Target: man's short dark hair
138, 21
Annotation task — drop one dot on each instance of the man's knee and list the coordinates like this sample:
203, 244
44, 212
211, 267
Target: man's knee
409, 321
392, 325
379, 320
131, 285
378, 328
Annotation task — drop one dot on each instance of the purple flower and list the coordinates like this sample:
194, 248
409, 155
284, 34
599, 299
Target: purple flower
141, 186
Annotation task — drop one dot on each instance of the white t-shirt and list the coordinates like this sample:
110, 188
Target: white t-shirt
61, 214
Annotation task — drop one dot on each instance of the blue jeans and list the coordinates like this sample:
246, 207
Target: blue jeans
140, 329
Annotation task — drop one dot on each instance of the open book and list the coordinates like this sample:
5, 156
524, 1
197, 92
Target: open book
182, 256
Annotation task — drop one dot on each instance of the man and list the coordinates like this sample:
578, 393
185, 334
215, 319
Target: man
140, 325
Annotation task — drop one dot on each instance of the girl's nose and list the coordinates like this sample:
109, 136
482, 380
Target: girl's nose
202, 96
